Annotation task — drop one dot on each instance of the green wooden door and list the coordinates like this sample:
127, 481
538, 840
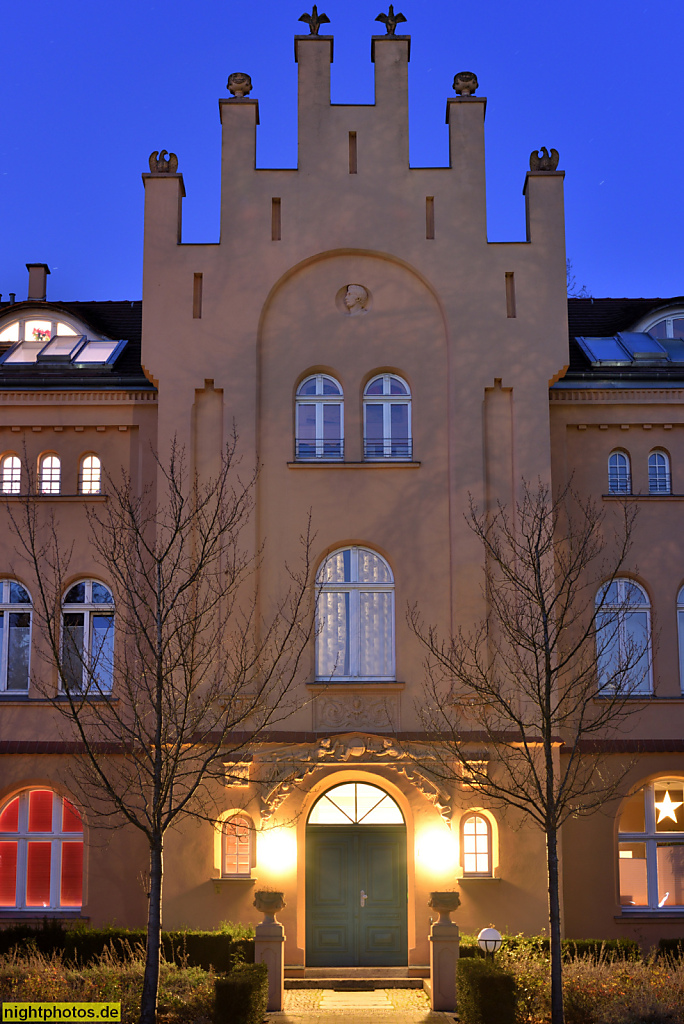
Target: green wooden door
356, 895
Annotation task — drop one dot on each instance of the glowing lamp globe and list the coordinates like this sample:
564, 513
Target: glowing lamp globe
489, 940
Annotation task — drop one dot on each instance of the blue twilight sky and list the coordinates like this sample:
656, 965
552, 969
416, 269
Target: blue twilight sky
90, 89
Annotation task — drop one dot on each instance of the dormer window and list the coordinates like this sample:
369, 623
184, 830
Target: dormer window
34, 340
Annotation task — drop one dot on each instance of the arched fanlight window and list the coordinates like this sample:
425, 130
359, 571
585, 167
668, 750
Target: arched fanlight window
90, 475
651, 847
619, 474
623, 638
387, 418
10, 474
476, 845
237, 845
50, 474
355, 803
355, 616
41, 853
319, 416
15, 636
88, 638
659, 473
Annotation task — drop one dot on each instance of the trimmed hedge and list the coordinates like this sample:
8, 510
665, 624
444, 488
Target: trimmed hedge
242, 996
672, 947
573, 949
83, 946
485, 993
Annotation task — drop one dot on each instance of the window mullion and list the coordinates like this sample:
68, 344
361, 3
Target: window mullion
652, 873
387, 428
354, 633
319, 429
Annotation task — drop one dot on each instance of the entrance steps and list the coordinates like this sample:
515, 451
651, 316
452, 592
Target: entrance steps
350, 979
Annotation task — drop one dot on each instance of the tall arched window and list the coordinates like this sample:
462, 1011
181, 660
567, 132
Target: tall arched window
476, 845
90, 475
387, 418
651, 847
88, 638
623, 638
50, 473
355, 614
237, 844
10, 474
619, 475
659, 473
41, 852
15, 636
319, 419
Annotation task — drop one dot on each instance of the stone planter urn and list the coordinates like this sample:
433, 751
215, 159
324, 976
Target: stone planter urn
444, 903
269, 903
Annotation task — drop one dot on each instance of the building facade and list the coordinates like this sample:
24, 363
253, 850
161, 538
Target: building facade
383, 362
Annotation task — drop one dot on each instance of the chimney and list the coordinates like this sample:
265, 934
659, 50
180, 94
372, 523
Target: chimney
37, 287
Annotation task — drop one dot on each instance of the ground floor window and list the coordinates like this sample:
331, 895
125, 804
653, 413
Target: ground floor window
237, 842
41, 852
476, 845
651, 847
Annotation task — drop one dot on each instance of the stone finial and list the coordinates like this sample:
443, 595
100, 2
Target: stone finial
159, 164
465, 83
391, 20
315, 20
541, 161
239, 84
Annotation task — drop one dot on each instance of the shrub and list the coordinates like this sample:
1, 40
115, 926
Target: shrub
486, 993
242, 996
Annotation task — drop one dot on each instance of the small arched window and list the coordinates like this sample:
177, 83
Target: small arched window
651, 847
355, 614
619, 474
659, 473
15, 636
319, 417
50, 474
10, 474
90, 475
387, 418
88, 638
237, 844
476, 845
41, 852
623, 638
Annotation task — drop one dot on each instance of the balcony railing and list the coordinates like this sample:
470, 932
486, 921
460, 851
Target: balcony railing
388, 448
321, 449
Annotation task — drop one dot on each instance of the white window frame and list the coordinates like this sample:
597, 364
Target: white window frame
48, 485
82, 489
667, 489
651, 838
653, 319
88, 608
387, 400
319, 401
249, 825
7, 608
468, 816
623, 610
56, 837
355, 589
12, 479
617, 454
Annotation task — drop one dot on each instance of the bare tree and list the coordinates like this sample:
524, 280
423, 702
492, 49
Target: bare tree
552, 667
196, 673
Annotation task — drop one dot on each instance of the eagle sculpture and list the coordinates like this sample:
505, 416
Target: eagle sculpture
541, 161
391, 20
315, 20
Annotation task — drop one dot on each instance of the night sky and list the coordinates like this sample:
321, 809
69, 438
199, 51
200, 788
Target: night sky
90, 89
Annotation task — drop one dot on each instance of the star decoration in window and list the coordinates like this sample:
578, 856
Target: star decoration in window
667, 808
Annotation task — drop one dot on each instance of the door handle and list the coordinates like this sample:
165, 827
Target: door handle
364, 897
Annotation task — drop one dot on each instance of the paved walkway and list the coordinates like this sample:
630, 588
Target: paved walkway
382, 1006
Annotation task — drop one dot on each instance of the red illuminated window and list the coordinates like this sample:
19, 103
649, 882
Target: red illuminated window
237, 847
41, 852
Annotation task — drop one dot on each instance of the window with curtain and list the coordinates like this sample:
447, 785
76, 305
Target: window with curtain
319, 415
619, 474
659, 473
10, 474
387, 418
476, 845
41, 852
88, 638
623, 638
15, 636
651, 847
237, 839
355, 616
49, 477
90, 475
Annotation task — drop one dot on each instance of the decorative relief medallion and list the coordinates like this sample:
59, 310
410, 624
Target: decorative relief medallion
356, 711
353, 300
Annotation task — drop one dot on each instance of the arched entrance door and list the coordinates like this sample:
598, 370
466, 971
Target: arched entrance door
356, 886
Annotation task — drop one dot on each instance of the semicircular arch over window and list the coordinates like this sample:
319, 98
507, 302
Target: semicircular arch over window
356, 803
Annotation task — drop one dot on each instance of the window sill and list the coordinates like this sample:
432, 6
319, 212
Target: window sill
649, 914
226, 883
478, 878
643, 497
368, 464
341, 685
53, 497
38, 913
